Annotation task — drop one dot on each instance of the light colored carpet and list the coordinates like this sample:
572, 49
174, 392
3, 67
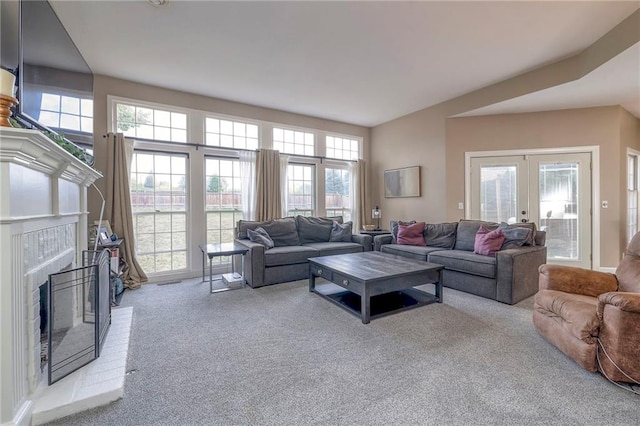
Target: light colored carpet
280, 355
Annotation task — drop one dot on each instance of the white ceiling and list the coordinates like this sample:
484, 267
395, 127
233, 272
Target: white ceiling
357, 62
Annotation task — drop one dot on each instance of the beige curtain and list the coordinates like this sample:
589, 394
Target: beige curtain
361, 193
118, 205
268, 196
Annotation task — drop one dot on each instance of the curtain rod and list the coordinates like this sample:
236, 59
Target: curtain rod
198, 145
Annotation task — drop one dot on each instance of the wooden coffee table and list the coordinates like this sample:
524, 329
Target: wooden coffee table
373, 284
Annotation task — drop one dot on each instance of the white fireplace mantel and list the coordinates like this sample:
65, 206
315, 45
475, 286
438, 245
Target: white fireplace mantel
43, 227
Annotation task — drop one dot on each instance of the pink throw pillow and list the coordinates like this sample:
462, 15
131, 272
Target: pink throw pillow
411, 234
488, 242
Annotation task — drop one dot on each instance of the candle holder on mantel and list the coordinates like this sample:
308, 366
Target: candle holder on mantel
6, 102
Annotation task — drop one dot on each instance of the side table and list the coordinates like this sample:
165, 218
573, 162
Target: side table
373, 234
217, 250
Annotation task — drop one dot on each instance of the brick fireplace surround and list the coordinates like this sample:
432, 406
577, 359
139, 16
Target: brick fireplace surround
43, 229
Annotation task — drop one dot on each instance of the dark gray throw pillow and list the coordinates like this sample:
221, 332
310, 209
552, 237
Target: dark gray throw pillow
260, 236
283, 232
313, 229
515, 236
440, 234
341, 232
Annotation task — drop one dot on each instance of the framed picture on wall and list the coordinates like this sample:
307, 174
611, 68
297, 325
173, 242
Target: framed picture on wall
403, 182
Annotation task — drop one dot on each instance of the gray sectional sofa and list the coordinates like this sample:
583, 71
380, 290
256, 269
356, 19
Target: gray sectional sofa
295, 240
509, 276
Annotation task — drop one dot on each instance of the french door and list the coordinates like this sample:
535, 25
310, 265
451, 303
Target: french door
552, 190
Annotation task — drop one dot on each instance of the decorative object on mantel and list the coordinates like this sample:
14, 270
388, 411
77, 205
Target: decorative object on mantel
70, 147
7, 100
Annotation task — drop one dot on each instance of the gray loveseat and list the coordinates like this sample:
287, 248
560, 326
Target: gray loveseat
295, 240
509, 276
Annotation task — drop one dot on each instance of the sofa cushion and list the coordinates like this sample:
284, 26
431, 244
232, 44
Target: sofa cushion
465, 261
283, 232
288, 255
413, 252
576, 313
313, 229
243, 225
394, 229
331, 248
440, 234
341, 232
488, 242
260, 236
514, 236
411, 234
516, 229
466, 233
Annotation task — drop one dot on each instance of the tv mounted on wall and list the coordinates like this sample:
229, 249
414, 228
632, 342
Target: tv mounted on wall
55, 84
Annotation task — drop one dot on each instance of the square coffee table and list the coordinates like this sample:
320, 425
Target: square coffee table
373, 284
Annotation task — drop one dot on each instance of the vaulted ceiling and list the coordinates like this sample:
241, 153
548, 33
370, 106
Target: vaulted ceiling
358, 62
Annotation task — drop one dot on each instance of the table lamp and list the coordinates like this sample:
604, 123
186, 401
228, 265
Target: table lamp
376, 214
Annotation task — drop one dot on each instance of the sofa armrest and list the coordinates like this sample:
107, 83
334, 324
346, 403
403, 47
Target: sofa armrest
576, 280
618, 338
365, 241
517, 272
253, 263
625, 301
380, 240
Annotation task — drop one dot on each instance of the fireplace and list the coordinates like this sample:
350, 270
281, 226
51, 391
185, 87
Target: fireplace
43, 228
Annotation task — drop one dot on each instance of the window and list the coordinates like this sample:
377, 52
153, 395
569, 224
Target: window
223, 200
293, 142
337, 189
149, 123
159, 202
231, 134
342, 148
66, 112
632, 195
301, 190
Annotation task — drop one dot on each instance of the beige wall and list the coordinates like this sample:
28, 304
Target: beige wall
553, 129
105, 86
420, 138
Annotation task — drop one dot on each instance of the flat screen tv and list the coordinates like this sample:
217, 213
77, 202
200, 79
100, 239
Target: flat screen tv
55, 84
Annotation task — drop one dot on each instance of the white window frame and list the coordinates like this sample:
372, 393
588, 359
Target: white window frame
343, 137
112, 117
156, 213
339, 165
633, 178
233, 120
313, 133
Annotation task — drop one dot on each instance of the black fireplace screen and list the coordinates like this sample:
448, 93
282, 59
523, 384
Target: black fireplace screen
79, 315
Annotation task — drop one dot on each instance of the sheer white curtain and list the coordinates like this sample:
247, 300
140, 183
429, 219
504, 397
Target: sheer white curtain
354, 195
359, 187
284, 167
248, 180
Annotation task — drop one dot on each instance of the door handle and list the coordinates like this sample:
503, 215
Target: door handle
524, 220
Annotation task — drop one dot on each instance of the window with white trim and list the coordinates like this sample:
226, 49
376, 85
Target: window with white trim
301, 190
159, 203
632, 195
223, 200
342, 148
295, 142
231, 134
66, 112
138, 121
337, 190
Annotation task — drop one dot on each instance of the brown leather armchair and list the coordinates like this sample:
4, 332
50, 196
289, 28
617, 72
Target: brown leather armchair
594, 317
